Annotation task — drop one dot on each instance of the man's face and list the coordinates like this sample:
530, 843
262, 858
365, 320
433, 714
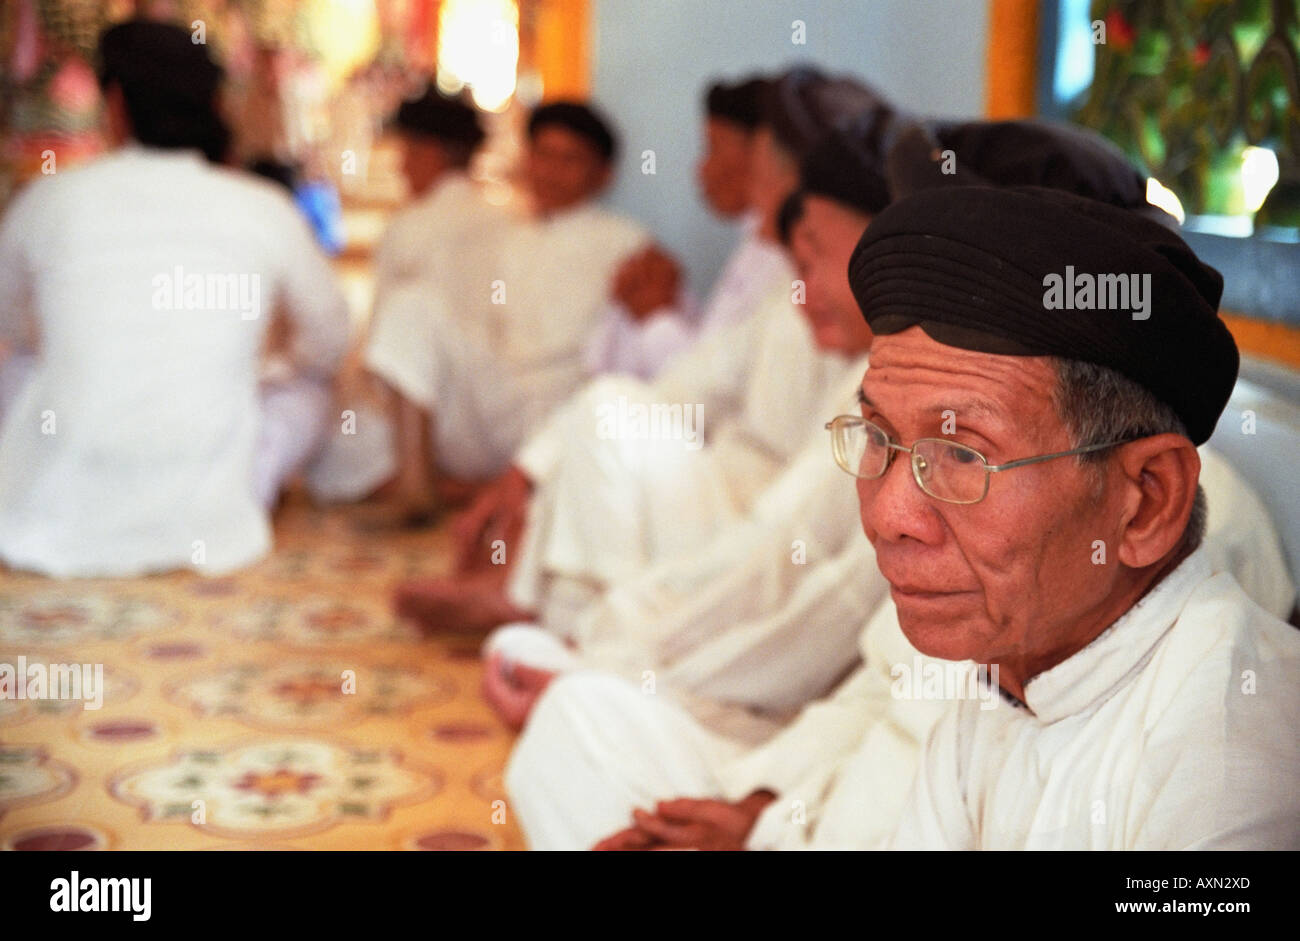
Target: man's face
564, 169
821, 243
1005, 579
725, 169
423, 161
775, 175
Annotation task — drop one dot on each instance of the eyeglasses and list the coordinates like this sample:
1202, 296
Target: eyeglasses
942, 468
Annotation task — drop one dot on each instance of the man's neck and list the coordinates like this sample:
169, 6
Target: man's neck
1015, 673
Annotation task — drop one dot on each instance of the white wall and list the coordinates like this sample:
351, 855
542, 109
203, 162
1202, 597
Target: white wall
653, 59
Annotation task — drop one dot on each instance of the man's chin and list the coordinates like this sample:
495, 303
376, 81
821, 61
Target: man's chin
938, 626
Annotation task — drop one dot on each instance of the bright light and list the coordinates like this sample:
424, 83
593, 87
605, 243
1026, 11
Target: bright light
1164, 198
1259, 174
478, 46
345, 33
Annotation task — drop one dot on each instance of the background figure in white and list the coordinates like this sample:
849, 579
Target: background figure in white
488, 361
434, 265
151, 276
652, 318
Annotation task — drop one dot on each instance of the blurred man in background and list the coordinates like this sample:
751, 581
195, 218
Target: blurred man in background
140, 441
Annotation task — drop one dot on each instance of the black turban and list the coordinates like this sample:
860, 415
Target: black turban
803, 105
848, 165
445, 119
579, 118
741, 103
1005, 271
168, 84
1016, 153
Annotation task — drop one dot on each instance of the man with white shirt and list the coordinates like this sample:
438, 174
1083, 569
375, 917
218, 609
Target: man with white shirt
651, 320
138, 440
436, 259
488, 353
1056, 533
612, 501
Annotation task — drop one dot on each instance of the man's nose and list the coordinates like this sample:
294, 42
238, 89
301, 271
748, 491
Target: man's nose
895, 508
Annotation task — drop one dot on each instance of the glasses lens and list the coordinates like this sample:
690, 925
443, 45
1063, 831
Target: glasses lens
860, 448
949, 471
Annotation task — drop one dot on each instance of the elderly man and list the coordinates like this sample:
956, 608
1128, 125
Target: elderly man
611, 499
1053, 529
140, 440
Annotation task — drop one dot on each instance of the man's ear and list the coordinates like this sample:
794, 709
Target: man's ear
1160, 474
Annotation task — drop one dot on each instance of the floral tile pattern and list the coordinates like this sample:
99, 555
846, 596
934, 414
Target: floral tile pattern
287, 699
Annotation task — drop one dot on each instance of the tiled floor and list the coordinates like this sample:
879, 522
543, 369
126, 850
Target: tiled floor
283, 707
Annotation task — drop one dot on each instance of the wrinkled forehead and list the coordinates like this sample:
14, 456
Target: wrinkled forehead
912, 375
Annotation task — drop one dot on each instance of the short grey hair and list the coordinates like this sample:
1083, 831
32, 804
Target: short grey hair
1097, 404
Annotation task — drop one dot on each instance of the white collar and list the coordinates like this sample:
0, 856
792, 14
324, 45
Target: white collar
1093, 674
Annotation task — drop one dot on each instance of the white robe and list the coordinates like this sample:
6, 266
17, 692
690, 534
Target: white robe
1173, 729
491, 360
726, 624
609, 506
643, 348
447, 238
132, 447
597, 746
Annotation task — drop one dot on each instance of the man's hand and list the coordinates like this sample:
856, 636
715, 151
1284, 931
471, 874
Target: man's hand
687, 823
647, 281
498, 512
512, 691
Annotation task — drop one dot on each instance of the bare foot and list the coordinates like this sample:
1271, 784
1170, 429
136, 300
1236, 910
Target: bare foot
467, 604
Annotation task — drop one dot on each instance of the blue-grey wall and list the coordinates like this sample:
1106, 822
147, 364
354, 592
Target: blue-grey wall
653, 59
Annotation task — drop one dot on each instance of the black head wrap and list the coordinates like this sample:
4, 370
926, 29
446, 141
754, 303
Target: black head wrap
802, 105
848, 165
1027, 271
168, 83
1016, 153
579, 118
740, 103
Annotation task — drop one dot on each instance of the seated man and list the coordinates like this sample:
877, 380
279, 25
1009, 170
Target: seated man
651, 319
138, 441
610, 499
445, 244
1150, 703
484, 355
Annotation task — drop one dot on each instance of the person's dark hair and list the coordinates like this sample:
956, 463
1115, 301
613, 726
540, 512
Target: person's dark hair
1097, 404
740, 103
579, 118
453, 122
788, 216
169, 86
